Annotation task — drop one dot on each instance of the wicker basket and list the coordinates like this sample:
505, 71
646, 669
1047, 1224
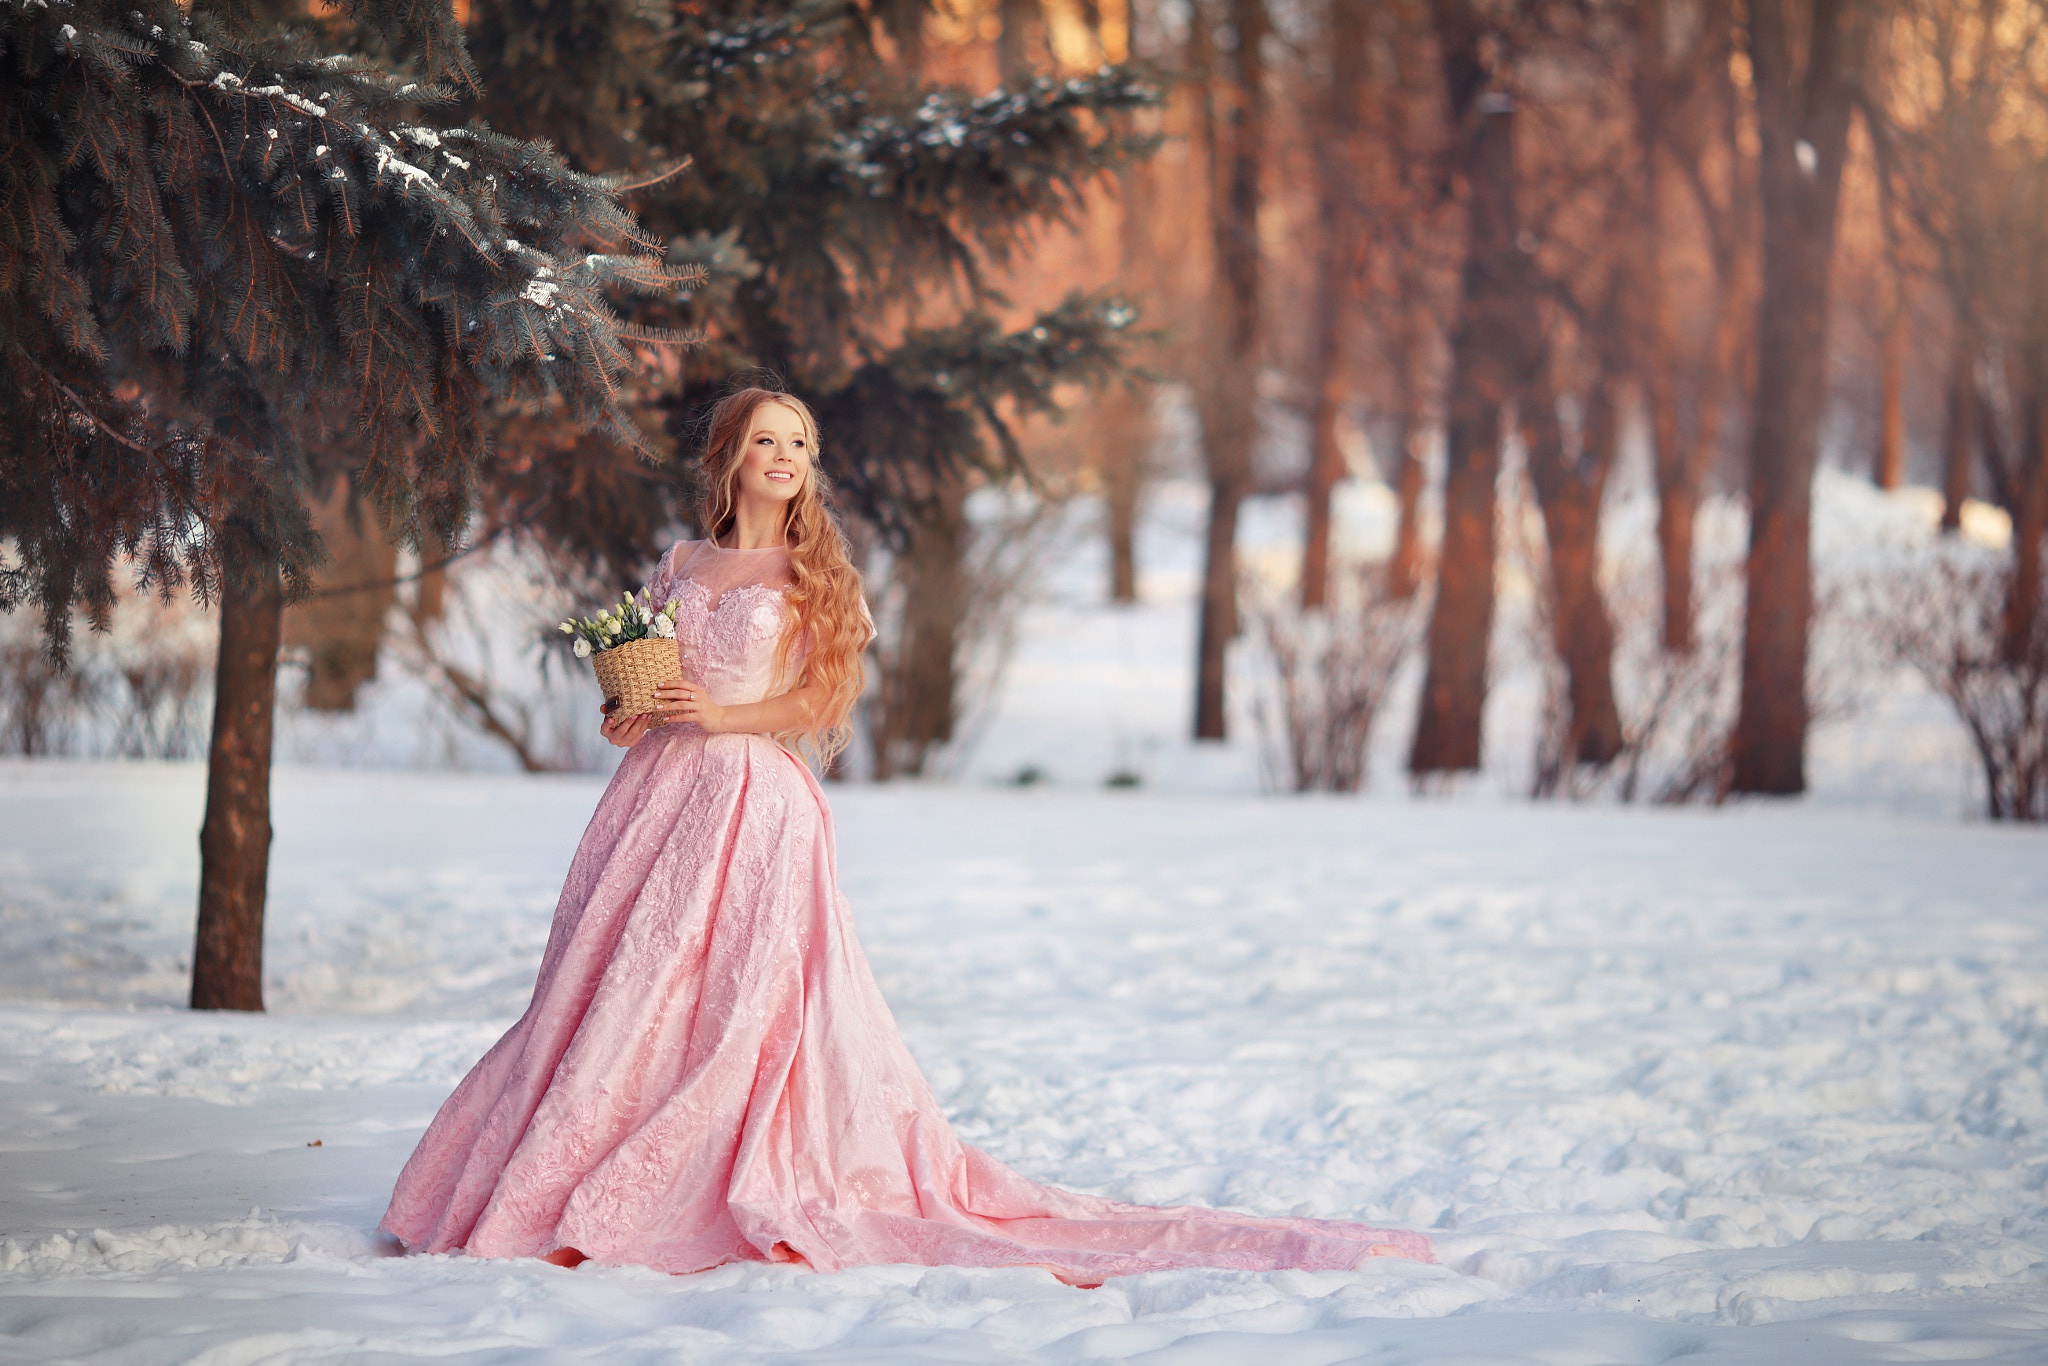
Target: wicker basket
628, 673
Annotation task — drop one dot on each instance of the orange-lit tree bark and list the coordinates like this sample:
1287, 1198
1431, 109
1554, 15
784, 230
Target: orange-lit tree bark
1685, 109
1569, 488
920, 681
2030, 478
1495, 349
1123, 432
1804, 108
1228, 397
1405, 207
1340, 260
1405, 567
1959, 426
1124, 426
1889, 468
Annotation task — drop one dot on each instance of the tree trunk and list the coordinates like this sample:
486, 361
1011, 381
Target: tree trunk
1326, 461
1125, 414
1657, 370
1124, 428
1569, 492
1405, 568
921, 686
1687, 111
1230, 396
2029, 524
1677, 499
234, 841
1803, 125
1493, 354
1890, 472
1340, 261
2030, 481
341, 626
1219, 608
1959, 428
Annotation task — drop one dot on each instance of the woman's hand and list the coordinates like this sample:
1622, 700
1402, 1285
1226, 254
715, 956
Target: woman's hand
686, 700
625, 731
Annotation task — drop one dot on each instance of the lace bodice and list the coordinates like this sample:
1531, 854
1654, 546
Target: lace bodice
729, 616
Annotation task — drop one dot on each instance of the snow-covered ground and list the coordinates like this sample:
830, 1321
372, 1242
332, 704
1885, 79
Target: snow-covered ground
1751, 1085
1758, 1084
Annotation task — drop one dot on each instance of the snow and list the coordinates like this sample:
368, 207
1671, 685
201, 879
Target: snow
296, 101
1753, 1084
385, 159
1750, 1084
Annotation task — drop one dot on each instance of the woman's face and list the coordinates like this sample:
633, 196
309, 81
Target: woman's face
777, 456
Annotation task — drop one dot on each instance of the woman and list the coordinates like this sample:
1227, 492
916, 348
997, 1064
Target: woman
707, 1072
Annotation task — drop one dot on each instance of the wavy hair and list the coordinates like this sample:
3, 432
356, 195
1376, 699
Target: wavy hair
827, 613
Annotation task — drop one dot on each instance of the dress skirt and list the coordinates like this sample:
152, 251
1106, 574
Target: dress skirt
708, 1073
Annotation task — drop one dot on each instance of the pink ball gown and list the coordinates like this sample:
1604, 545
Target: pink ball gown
707, 1072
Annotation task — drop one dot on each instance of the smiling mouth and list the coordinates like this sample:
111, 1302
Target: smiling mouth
781, 476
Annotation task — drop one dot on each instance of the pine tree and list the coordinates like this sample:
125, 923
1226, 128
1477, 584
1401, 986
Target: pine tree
230, 267
828, 194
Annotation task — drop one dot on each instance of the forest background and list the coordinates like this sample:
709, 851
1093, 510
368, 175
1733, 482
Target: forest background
1458, 267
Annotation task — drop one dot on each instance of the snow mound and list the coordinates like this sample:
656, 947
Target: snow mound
254, 1241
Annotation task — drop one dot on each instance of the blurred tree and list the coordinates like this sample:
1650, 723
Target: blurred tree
228, 267
1696, 183
1408, 206
1942, 105
1232, 80
1962, 125
1496, 352
1124, 428
1341, 245
1807, 59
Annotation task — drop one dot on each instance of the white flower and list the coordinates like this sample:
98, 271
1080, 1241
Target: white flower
582, 648
567, 629
664, 628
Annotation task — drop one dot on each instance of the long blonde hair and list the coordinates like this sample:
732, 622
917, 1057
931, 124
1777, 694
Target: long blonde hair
827, 613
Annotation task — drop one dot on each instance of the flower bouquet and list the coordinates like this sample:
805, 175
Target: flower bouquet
632, 645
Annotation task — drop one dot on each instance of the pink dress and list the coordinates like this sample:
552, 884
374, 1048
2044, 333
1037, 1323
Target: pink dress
707, 1072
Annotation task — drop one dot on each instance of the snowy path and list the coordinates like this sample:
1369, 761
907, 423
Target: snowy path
1759, 1085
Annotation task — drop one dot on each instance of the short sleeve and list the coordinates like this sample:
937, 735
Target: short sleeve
661, 585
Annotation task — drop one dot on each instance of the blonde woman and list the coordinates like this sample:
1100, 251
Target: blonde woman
707, 1072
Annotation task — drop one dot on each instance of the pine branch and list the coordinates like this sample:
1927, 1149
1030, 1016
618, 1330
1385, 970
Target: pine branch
287, 274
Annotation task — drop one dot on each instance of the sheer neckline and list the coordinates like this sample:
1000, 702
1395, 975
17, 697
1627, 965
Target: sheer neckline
737, 550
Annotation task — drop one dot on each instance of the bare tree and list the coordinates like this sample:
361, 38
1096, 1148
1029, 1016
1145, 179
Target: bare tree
1947, 620
1807, 61
1234, 126
1124, 427
1341, 244
1411, 212
1329, 673
1496, 349
1693, 180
